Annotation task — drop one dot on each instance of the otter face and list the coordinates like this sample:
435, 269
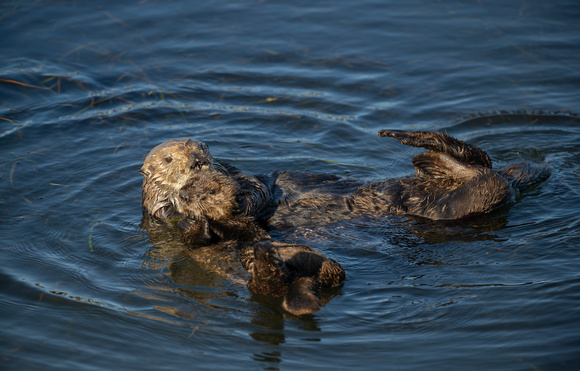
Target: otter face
171, 163
209, 194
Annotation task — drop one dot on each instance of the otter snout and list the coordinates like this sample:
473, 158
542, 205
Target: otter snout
200, 163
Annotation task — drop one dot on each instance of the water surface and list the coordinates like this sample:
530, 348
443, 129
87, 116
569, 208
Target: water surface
87, 89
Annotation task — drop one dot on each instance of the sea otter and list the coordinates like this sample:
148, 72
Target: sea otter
453, 180
294, 272
213, 201
212, 210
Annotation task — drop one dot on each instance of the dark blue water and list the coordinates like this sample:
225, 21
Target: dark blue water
88, 88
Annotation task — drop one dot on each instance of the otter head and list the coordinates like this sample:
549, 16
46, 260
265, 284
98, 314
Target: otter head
172, 162
166, 170
209, 194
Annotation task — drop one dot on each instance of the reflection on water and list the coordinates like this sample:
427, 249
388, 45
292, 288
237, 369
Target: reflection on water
207, 273
202, 274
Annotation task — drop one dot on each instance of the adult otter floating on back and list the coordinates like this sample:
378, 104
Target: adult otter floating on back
453, 180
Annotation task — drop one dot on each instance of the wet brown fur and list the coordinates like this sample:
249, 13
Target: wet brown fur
453, 180
171, 164
294, 272
217, 202
167, 168
211, 204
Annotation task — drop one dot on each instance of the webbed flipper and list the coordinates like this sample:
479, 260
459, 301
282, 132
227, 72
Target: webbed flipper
441, 143
268, 272
294, 272
443, 166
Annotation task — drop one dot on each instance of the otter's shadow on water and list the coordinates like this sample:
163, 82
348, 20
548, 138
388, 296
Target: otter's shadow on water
429, 242
404, 231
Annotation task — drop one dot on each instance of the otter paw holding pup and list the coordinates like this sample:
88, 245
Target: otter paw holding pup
294, 272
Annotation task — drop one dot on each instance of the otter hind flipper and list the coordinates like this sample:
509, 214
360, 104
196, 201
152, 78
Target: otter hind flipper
300, 298
439, 142
441, 165
331, 274
294, 272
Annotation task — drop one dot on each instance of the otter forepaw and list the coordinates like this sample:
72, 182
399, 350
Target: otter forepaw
196, 231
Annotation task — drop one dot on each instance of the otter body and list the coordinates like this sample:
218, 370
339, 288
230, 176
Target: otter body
452, 180
478, 191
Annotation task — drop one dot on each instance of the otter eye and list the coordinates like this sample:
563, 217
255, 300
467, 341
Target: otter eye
212, 192
168, 159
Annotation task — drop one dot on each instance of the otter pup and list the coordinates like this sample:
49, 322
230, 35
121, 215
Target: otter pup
294, 272
212, 210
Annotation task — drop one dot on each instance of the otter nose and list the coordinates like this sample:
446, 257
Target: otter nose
199, 163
